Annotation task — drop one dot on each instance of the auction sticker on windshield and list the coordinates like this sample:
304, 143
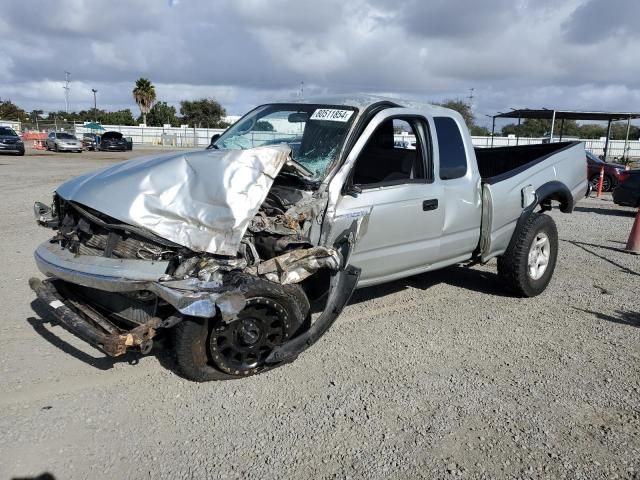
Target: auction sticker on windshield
332, 114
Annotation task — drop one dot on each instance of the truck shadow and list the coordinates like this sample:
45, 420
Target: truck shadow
456, 276
606, 211
583, 246
42, 327
619, 316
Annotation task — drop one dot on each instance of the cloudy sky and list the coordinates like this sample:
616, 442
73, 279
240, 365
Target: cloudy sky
575, 54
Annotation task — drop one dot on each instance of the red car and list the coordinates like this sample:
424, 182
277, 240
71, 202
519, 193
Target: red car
614, 173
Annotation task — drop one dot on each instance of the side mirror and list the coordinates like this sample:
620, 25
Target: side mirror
215, 137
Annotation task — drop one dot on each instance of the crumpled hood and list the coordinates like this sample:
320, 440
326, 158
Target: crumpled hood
202, 200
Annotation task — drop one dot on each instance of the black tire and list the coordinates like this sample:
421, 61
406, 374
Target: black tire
193, 336
513, 265
21, 153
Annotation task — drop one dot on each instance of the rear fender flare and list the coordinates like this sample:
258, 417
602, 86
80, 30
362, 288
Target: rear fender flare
545, 193
554, 190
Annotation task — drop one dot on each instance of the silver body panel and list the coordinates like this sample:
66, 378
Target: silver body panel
203, 200
504, 199
396, 238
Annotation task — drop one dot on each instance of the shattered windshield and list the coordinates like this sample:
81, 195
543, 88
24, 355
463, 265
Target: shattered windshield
315, 133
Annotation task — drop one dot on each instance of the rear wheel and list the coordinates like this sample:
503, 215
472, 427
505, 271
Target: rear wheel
527, 266
212, 349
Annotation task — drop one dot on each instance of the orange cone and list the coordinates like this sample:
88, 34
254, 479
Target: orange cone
633, 244
600, 180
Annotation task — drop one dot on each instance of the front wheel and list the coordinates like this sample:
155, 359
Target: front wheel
527, 266
212, 349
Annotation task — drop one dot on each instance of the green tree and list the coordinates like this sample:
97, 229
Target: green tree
591, 130
144, 93
10, 111
119, 117
530, 127
264, 126
162, 113
477, 131
619, 131
205, 112
462, 108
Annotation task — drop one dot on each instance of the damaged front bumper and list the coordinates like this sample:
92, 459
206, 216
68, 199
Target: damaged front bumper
191, 297
92, 327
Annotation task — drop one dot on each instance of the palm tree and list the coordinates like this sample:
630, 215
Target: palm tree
144, 94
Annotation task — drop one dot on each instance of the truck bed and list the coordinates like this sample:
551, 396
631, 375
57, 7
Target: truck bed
496, 164
511, 176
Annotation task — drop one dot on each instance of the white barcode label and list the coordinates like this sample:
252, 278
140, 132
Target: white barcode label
332, 115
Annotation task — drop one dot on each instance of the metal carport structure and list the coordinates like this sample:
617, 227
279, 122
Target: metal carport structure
562, 115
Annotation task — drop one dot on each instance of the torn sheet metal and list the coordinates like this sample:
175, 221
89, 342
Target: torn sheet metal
295, 266
202, 200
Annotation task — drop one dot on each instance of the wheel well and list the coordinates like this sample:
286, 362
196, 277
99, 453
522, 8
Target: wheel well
555, 191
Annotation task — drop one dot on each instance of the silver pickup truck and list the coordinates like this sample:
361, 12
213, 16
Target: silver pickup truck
297, 204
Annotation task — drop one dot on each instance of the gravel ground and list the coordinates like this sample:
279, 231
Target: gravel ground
436, 376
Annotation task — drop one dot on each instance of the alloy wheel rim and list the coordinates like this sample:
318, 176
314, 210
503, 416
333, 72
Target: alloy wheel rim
539, 255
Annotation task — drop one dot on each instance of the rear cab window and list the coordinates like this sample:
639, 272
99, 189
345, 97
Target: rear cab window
453, 157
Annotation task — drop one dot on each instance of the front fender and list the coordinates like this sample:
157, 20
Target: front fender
341, 288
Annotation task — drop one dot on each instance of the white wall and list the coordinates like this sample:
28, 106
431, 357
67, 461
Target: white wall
15, 125
174, 136
200, 137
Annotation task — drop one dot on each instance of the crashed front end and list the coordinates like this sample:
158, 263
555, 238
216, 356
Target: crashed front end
141, 246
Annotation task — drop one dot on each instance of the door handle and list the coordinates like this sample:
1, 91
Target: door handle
430, 204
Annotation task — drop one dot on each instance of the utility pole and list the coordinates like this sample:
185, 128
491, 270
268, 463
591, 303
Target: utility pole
66, 90
95, 108
470, 97
301, 92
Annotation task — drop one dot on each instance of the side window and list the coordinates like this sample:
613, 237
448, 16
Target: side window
393, 154
453, 159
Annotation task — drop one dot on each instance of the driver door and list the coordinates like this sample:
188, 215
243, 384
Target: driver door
392, 189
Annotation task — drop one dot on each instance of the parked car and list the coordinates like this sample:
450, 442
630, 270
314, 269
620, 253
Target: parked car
113, 141
89, 141
63, 141
627, 193
614, 173
225, 248
10, 142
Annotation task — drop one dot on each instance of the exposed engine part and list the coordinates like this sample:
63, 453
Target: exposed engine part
186, 267
45, 215
297, 265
